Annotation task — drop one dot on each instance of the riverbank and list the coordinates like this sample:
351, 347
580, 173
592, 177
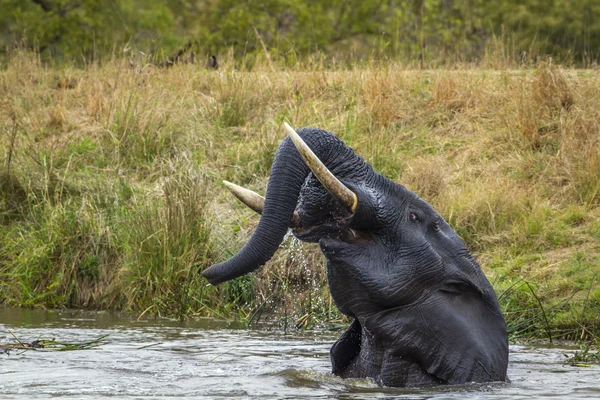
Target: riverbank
111, 194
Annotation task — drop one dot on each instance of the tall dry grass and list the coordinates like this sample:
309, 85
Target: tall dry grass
111, 196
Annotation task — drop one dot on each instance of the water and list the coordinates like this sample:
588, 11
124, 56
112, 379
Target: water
219, 360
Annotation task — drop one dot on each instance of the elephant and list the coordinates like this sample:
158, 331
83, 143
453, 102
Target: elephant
423, 311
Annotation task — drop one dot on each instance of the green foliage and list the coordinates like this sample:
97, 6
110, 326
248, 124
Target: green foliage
165, 243
425, 31
86, 30
240, 292
55, 256
588, 355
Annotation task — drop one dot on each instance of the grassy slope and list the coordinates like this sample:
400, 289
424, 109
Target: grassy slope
112, 196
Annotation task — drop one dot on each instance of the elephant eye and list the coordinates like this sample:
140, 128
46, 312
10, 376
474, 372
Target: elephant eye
414, 217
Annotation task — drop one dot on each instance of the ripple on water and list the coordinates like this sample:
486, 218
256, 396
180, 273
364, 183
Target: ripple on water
168, 360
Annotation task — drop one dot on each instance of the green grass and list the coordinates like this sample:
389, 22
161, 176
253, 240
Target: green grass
585, 358
110, 193
46, 344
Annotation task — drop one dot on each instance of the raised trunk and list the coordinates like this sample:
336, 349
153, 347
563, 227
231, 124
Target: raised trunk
287, 176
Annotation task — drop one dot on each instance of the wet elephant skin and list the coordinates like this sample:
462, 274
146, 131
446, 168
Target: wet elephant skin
424, 313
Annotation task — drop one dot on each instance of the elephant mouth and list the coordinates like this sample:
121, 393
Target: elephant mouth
331, 230
337, 230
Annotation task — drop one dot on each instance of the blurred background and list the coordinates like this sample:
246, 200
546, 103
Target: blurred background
426, 32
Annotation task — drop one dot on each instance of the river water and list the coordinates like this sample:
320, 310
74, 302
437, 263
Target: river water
218, 360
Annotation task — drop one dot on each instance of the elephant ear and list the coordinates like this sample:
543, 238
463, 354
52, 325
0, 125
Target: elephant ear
346, 348
457, 336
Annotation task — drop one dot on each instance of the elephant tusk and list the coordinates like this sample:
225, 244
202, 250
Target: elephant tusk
333, 185
255, 201
252, 199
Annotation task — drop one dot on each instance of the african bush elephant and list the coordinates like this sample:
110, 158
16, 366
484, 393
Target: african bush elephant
424, 312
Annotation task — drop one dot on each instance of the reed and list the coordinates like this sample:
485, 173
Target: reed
50, 344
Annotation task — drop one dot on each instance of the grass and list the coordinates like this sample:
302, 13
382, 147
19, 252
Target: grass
46, 344
110, 193
586, 357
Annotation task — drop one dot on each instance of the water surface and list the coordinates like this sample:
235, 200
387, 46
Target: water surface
219, 360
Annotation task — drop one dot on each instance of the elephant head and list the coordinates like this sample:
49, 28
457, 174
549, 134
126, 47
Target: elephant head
424, 312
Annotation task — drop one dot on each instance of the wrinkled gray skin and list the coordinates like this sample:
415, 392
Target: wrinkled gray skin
424, 312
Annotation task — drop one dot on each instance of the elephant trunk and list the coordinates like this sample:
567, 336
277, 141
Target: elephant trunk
287, 177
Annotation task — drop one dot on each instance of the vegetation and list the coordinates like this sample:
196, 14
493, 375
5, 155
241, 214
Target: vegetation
585, 358
19, 344
110, 193
427, 32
